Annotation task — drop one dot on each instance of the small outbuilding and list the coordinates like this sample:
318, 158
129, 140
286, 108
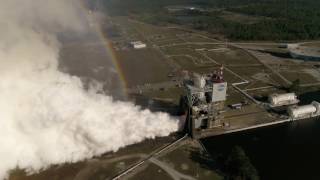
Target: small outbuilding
138, 45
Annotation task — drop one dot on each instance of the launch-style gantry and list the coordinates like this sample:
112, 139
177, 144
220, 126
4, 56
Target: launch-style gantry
206, 96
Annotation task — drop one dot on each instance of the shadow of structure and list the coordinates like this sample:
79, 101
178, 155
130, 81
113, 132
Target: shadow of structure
280, 54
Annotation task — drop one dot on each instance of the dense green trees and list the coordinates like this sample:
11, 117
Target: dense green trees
239, 167
277, 19
285, 19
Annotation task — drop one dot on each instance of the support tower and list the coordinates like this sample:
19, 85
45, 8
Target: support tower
206, 96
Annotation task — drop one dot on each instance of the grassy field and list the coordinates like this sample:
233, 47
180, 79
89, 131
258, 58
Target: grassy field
143, 66
151, 172
304, 77
234, 97
167, 41
232, 56
190, 160
314, 44
198, 38
251, 71
239, 18
307, 74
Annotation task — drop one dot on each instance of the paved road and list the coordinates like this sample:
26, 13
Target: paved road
153, 156
172, 172
95, 164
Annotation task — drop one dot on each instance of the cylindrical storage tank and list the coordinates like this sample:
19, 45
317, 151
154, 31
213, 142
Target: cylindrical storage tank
277, 99
302, 111
317, 105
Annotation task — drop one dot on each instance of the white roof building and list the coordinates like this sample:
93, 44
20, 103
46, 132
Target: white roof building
138, 45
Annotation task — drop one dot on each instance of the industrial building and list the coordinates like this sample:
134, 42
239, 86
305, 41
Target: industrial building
277, 100
304, 52
206, 96
138, 45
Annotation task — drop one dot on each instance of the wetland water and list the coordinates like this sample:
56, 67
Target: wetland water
287, 151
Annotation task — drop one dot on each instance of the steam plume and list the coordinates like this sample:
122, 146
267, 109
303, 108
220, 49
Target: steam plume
46, 116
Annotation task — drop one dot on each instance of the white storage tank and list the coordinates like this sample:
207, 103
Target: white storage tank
283, 99
317, 105
302, 111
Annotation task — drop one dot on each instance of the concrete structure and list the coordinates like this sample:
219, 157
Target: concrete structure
277, 100
138, 45
304, 52
219, 92
199, 81
305, 111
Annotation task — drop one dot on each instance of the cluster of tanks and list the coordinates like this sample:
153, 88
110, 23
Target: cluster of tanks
291, 100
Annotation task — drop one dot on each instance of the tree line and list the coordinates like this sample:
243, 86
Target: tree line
277, 19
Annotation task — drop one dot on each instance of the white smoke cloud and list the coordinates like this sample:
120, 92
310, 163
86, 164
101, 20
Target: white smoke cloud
46, 116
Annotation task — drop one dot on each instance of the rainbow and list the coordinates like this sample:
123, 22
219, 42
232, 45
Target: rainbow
113, 56
109, 50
